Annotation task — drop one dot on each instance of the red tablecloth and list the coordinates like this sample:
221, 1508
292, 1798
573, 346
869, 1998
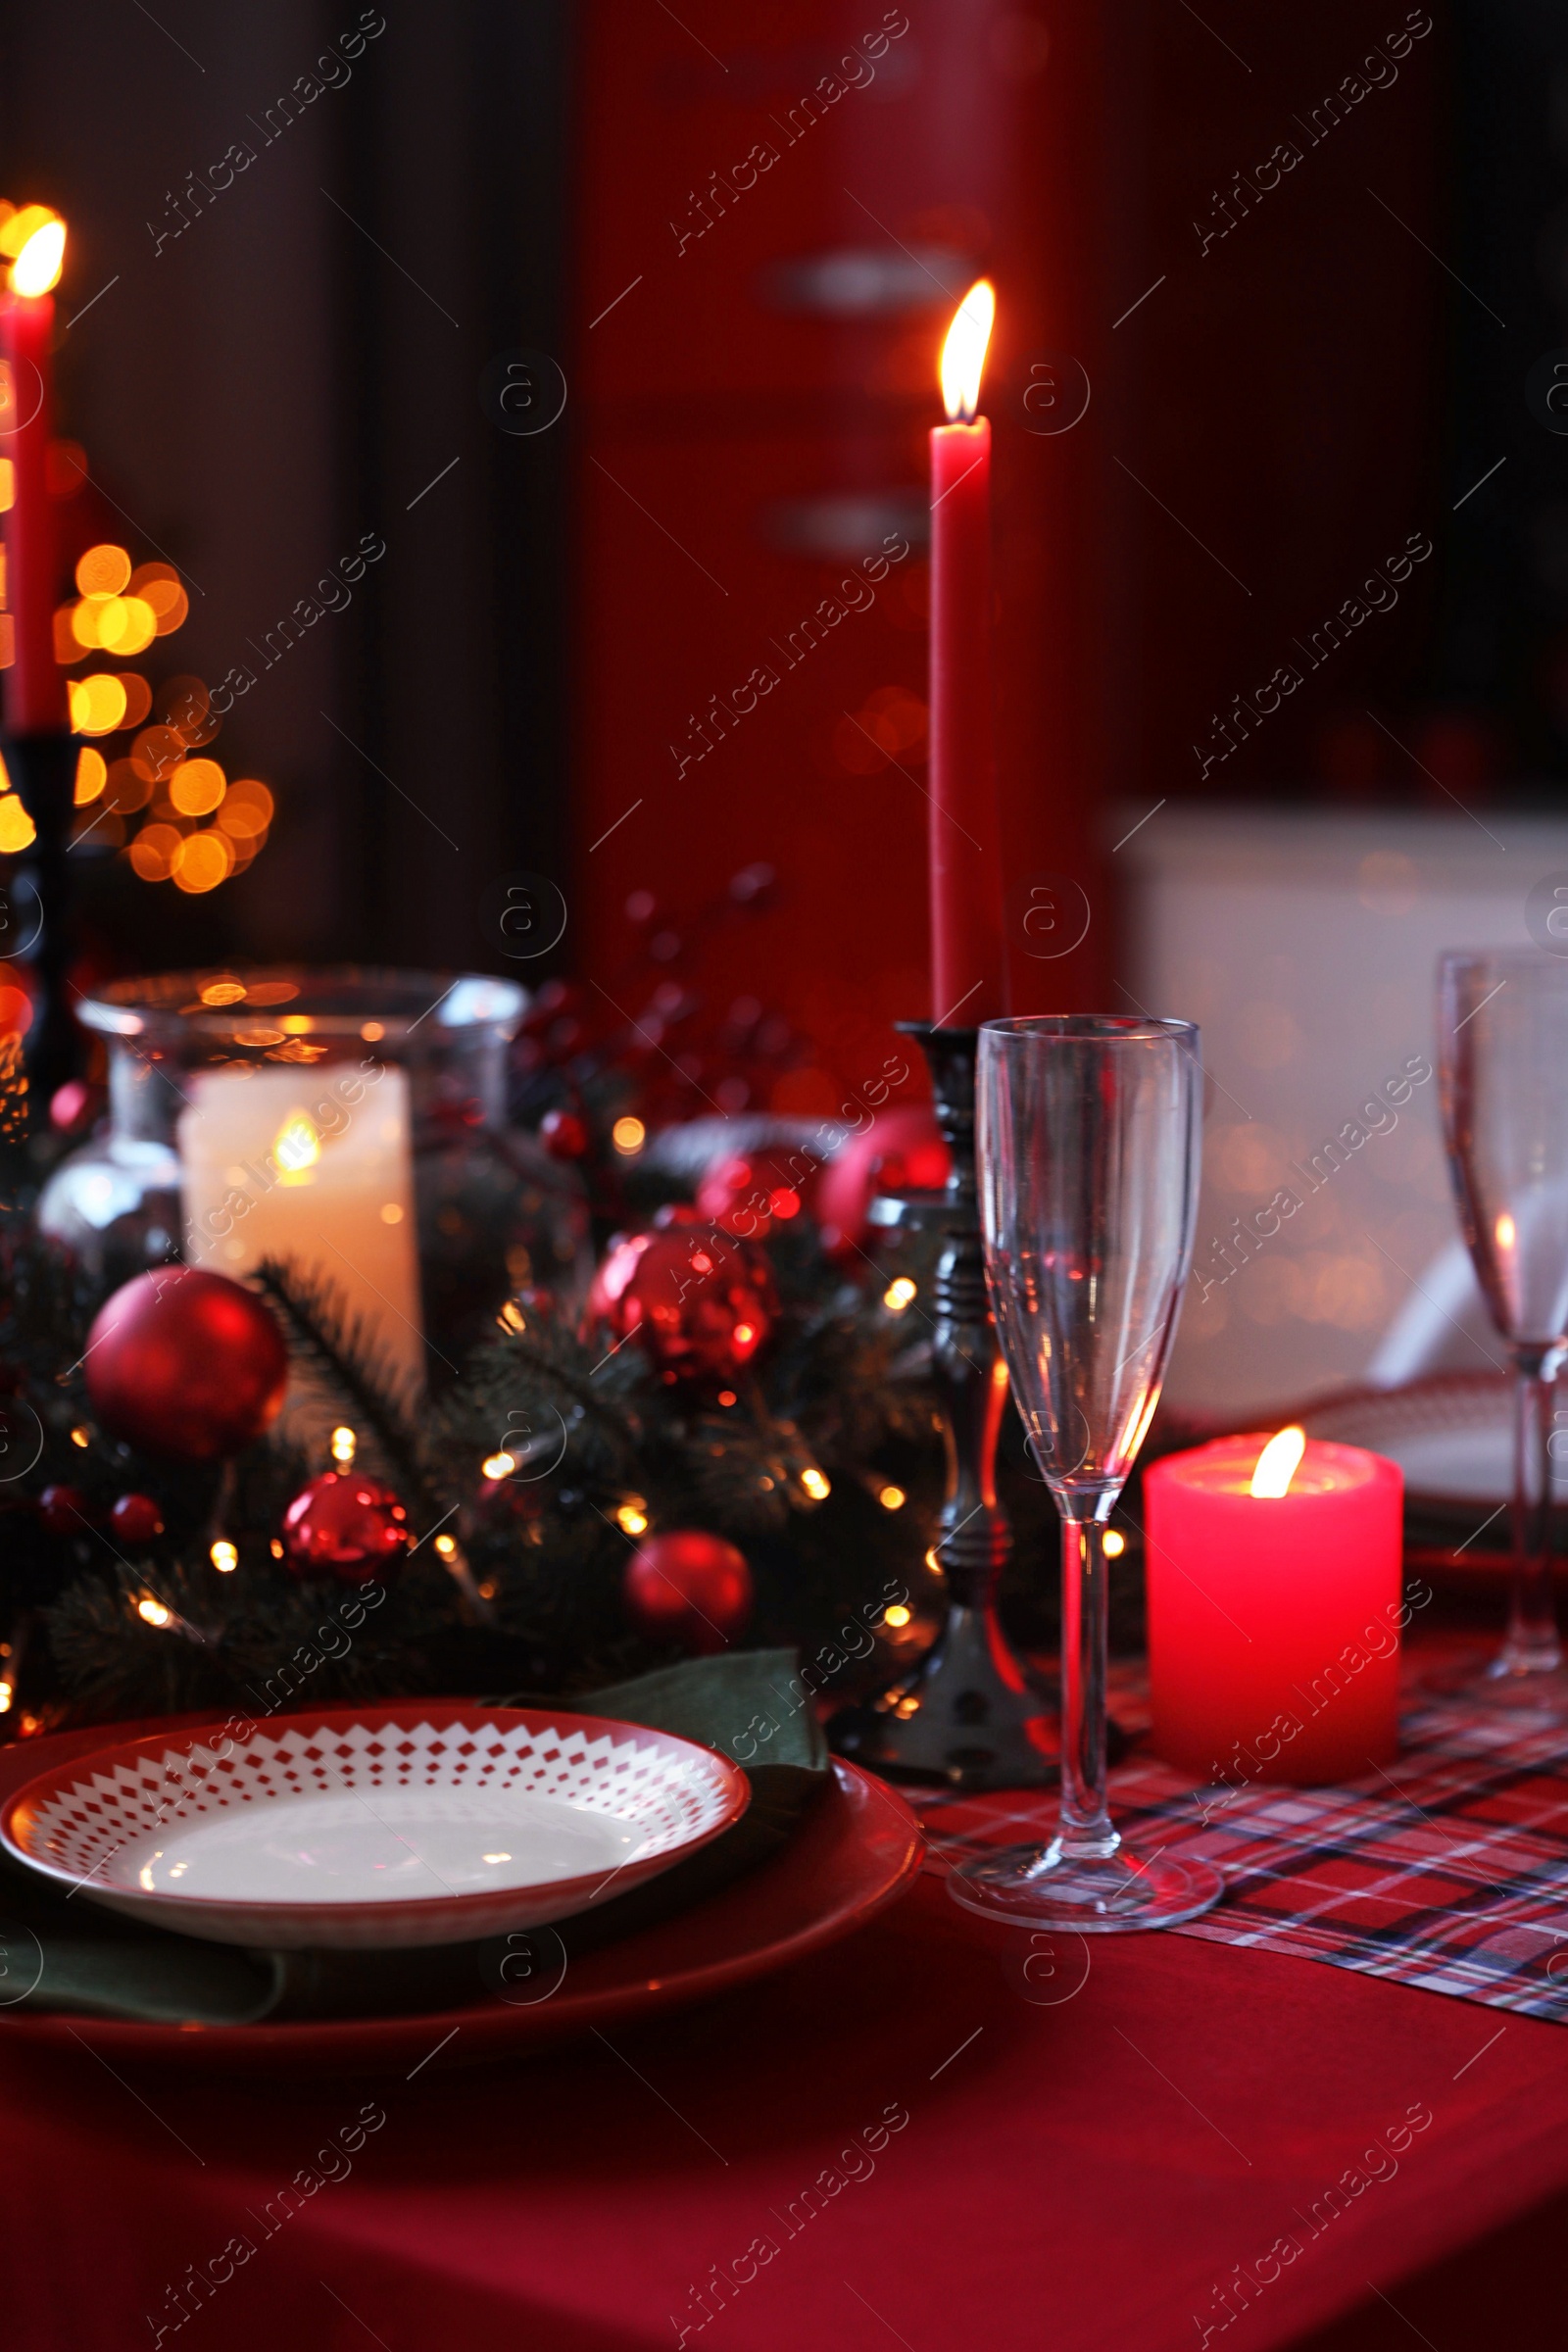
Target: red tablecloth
1075, 2176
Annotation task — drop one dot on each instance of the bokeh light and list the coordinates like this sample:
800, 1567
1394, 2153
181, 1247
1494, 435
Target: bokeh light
152, 853
128, 789
16, 1005
92, 774
185, 704
17, 829
127, 624
97, 704
156, 752
203, 861
247, 808
196, 829
8, 485
159, 587
196, 787
104, 571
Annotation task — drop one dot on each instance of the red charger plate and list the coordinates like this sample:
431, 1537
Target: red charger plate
856, 1851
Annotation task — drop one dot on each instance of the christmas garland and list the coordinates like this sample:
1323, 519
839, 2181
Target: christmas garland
738, 1442
527, 1496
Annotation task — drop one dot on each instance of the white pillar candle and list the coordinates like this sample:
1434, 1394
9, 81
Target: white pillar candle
316, 1167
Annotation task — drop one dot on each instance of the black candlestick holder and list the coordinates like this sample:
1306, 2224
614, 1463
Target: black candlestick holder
35, 912
968, 1714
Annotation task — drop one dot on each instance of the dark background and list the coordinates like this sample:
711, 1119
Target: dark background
1274, 418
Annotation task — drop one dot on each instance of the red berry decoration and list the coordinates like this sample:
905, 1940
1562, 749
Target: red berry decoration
343, 1524
186, 1364
136, 1519
689, 1586
698, 1301
64, 1510
563, 1135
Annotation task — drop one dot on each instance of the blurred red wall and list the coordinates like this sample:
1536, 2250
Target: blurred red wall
755, 378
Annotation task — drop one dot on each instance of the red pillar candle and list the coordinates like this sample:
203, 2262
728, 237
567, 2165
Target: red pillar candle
967, 963
34, 683
1274, 1617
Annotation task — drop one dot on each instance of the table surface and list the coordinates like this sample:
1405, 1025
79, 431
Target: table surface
1072, 2174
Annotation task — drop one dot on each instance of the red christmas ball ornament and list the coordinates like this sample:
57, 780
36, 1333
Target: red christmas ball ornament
563, 1135
64, 1510
752, 1191
186, 1364
345, 1525
900, 1151
136, 1519
698, 1302
689, 1586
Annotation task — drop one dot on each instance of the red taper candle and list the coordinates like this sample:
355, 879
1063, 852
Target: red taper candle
34, 683
968, 966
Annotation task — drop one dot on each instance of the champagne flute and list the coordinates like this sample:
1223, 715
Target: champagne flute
1503, 1042
1089, 1141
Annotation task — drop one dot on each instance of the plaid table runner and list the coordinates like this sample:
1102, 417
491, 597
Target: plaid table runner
1448, 1870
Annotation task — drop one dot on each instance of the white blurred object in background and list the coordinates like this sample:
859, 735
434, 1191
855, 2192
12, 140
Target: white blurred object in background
1306, 943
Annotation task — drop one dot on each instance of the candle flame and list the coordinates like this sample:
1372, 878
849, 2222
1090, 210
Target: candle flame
297, 1149
39, 261
1279, 1462
963, 353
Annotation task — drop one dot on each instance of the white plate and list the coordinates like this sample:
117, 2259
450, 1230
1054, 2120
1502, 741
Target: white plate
373, 1828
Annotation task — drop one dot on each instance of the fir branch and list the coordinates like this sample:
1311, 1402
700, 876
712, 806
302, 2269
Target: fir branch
541, 1377
325, 1338
258, 1642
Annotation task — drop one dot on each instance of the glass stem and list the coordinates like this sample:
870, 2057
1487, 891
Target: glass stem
1530, 1645
1084, 1829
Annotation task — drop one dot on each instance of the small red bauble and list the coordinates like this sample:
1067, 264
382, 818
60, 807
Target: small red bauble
136, 1519
752, 1191
343, 1524
186, 1364
563, 1134
689, 1586
900, 1151
698, 1302
64, 1510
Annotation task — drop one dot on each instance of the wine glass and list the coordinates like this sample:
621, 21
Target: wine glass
1503, 1038
1088, 1146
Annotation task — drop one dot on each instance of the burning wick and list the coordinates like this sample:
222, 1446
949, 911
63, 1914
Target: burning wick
1278, 1463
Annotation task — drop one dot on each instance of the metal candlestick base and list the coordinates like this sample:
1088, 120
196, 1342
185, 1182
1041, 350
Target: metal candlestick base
968, 1713
36, 915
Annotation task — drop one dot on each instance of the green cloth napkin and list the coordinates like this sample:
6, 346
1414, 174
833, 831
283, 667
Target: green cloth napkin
78, 1957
